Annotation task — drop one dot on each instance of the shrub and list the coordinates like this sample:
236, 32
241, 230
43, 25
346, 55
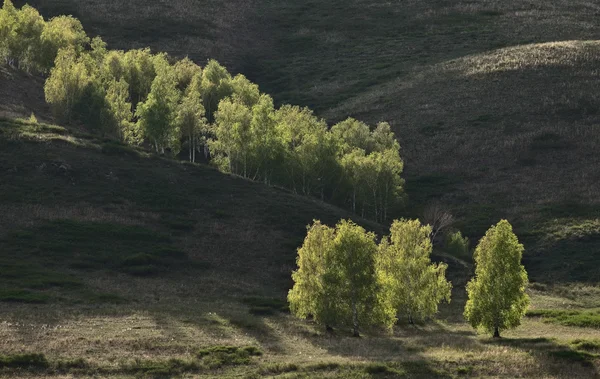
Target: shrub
457, 245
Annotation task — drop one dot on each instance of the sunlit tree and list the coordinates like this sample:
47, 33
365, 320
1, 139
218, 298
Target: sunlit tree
497, 298
415, 285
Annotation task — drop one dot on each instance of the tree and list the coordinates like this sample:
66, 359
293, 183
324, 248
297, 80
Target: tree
8, 22
67, 83
59, 33
337, 281
216, 86
24, 47
191, 115
353, 134
186, 70
156, 116
439, 219
310, 152
457, 245
266, 147
117, 95
230, 147
497, 298
245, 91
414, 284
307, 297
353, 166
139, 72
114, 67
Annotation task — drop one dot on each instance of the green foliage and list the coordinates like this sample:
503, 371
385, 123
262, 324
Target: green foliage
139, 98
336, 282
497, 298
30, 43
216, 86
307, 297
139, 71
185, 71
457, 245
156, 116
310, 152
190, 118
415, 285
67, 83
61, 32
371, 166
117, 96
25, 46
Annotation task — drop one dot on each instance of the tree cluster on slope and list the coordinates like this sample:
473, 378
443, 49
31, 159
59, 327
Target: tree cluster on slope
145, 98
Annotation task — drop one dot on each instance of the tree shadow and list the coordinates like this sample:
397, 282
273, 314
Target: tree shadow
556, 359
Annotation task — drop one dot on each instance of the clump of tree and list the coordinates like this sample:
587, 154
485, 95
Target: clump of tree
151, 99
497, 298
337, 281
345, 279
350, 164
30, 43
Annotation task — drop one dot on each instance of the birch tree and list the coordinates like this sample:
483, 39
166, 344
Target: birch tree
415, 285
497, 298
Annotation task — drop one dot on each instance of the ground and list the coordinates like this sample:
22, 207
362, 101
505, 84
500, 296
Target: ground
116, 262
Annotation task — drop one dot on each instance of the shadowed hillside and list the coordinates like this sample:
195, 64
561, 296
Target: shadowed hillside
115, 262
494, 103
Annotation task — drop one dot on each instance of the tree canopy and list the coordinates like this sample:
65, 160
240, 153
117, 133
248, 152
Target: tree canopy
497, 298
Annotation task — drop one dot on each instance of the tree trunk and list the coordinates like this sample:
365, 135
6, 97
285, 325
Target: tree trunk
496, 332
355, 332
190, 147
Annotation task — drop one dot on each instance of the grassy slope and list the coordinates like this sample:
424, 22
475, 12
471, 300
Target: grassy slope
494, 102
116, 262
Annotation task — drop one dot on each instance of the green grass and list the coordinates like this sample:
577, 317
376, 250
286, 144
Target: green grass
578, 318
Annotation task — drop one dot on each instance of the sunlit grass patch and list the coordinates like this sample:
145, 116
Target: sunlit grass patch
578, 318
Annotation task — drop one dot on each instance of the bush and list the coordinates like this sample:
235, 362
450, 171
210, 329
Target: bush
457, 245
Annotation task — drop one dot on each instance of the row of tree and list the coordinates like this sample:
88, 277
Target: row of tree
30, 43
144, 98
345, 279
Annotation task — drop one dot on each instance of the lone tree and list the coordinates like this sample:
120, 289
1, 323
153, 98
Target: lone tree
415, 285
337, 282
497, 298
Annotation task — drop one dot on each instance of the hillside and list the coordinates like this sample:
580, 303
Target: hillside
116, 262
494, 103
